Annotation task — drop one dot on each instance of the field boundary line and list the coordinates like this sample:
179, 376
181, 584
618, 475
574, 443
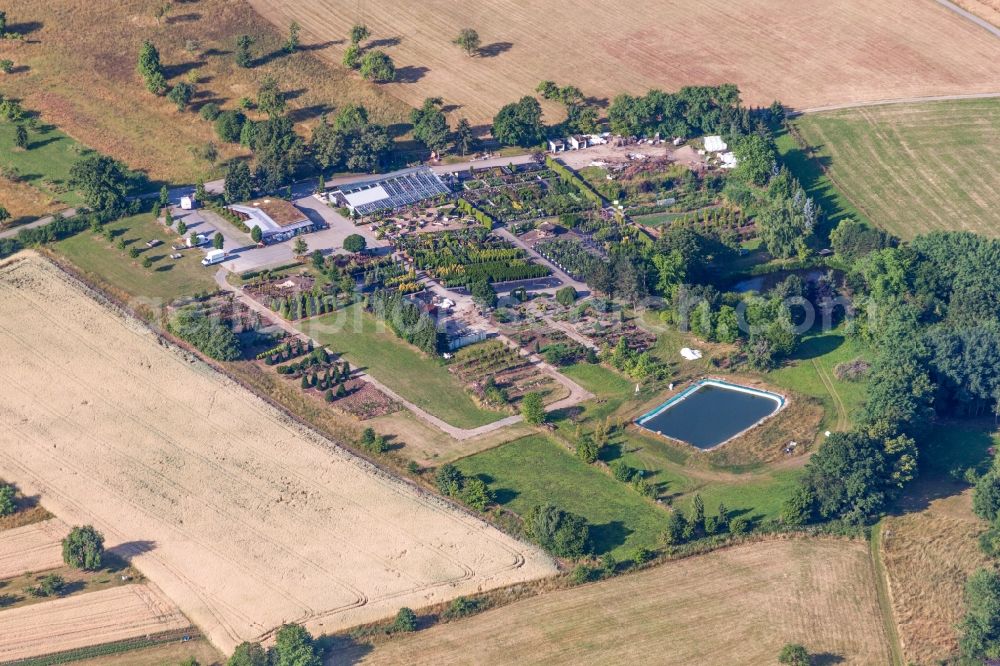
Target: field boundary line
969, 16
108, 649
884, 595
847, 106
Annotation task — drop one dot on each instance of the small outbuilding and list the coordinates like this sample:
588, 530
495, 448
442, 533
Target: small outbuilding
578, 141
556, 145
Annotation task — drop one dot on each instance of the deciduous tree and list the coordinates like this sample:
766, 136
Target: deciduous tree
468, 39
377, 66
103, 182
83, 548
533, 409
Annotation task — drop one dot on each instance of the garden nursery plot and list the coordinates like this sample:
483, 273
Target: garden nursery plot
214, 495
455, 258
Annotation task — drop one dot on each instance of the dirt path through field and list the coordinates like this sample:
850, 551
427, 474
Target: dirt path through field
243, 517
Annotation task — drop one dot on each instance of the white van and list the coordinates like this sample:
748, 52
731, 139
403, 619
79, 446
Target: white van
214, 257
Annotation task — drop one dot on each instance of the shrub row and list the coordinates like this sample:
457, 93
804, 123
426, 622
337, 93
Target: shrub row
568, 176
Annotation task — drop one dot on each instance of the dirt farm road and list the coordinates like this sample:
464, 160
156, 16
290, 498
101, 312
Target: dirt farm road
884, 102
982, 23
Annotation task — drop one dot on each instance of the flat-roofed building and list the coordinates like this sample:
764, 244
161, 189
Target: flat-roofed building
277, 219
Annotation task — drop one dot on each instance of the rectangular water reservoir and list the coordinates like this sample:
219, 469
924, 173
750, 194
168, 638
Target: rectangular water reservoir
711, 412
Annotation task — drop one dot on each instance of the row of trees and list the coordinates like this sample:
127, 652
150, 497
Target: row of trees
293, 646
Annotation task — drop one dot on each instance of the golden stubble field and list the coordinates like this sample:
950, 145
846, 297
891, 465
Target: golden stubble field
240, 516
805, 54
34, 547
734, 606
129, 611
77, 67
928, 556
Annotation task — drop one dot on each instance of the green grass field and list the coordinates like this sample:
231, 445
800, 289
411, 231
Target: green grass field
163, 282
678, 472
535, 470
810, 372
915, 168
45, 164
400, 366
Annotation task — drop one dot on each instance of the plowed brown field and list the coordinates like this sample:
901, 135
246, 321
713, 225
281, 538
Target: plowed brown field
245, 519
805, 54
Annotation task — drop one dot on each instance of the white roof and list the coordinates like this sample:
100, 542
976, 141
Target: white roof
715, 144
728, 160
366, 196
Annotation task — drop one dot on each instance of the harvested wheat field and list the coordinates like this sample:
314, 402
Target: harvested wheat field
77, 67
129, 611
927, 557
803, 53
987, 9
734, 606
915, 168
35, 547
242, 517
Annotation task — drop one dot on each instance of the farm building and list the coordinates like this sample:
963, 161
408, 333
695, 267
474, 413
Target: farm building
277, 219
715, 144
391, 191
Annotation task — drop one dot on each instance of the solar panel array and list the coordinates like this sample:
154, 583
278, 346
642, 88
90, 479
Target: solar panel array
403, 187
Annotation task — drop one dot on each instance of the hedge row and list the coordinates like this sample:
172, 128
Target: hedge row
568, 176
481, 217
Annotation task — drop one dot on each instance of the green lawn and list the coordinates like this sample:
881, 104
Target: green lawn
46, 163
400, 366
802, 375
535, 470
163, 282
915, 168
675, 470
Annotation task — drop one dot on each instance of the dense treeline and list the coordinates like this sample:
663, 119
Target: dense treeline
690, 111
406, 320
931, 314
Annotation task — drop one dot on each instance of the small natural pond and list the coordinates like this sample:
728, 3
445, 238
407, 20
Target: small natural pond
764, 283
711, 412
